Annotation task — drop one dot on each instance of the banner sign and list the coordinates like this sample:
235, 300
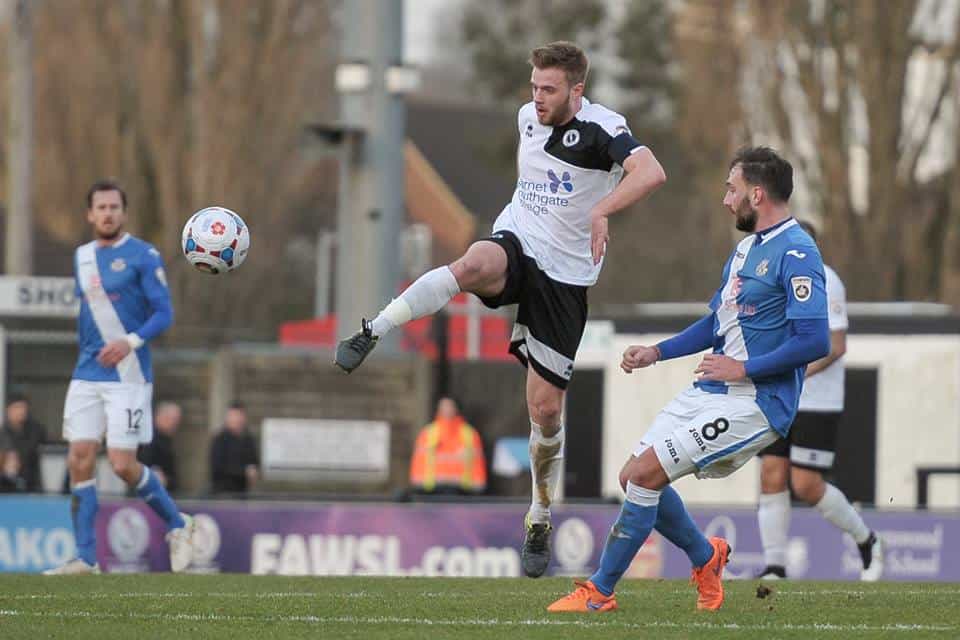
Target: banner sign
35, 533
344, 450
484, 540
38, 296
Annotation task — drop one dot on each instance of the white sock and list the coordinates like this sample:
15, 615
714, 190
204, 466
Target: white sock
427, 295
642, 496
773, 517
546, 463
838, 511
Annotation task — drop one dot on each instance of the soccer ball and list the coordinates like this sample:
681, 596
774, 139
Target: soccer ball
215, 240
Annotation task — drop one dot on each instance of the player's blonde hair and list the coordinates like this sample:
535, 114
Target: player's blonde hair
562, 55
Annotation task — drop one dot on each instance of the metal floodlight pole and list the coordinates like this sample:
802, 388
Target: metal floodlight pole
371, 199
19, 231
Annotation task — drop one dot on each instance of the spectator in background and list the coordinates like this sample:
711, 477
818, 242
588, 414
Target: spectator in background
11, 480
159, 454
234, 463
24, 436
448, 455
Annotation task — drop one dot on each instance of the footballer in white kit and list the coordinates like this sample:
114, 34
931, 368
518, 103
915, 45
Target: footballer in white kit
808, 452
124, 303
577, 163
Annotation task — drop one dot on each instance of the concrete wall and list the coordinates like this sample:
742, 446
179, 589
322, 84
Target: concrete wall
289, 383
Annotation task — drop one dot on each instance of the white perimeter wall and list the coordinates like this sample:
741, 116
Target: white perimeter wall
918, 414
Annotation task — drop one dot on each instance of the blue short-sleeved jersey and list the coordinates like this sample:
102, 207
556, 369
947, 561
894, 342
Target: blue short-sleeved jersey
771, 278
122, 289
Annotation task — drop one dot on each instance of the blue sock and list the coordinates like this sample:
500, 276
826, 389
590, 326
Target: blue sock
83, 510
675, 524
157, 498
626, 537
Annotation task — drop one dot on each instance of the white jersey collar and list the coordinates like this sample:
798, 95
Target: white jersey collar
584, 103
775, 230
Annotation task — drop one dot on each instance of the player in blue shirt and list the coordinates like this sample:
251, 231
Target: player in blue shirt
124, 303
767, 321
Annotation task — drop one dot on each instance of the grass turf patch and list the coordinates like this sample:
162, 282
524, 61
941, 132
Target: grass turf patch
242, 606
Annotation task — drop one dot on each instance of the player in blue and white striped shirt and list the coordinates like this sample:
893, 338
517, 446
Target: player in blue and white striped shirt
124, 303
767, 321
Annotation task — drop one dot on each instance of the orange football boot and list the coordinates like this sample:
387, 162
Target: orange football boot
709, 577
584, 599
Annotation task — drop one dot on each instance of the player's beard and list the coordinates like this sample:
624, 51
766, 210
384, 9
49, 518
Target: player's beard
561, 115
746, 216
108, 235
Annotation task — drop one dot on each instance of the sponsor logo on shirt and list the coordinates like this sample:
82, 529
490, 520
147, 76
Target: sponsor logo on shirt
563, 181
118, 265
796, 254
536, 197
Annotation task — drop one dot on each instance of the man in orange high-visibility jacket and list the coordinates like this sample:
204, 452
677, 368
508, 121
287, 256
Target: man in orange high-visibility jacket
448, 455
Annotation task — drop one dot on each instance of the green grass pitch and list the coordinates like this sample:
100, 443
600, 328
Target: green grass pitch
240, 606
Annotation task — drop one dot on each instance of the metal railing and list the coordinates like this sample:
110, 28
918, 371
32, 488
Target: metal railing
923, 480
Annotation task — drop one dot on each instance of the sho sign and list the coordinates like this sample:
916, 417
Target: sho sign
38, 296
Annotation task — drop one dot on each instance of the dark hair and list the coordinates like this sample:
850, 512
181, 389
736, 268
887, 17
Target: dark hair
236, 404
762, 167
106, 185
809, 228
562, 55
16, 396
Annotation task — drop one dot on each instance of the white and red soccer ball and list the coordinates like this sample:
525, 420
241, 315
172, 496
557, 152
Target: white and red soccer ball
215, 240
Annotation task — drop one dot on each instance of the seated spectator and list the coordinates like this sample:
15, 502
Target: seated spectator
11, 479
448, 455
159, 454
234, 462
25, 436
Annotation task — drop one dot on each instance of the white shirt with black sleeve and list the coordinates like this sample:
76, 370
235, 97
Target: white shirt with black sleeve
562, 173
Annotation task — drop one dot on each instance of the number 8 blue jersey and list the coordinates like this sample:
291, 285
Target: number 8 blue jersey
772, 278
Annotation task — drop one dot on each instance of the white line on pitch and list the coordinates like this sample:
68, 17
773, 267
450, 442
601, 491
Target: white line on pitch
473, 622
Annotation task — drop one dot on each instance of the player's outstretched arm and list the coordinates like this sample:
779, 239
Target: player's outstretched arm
644, 176
810, 340
693, 339
639, 356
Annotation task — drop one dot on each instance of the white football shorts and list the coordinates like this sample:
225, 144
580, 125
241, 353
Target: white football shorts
707, 434
122, 410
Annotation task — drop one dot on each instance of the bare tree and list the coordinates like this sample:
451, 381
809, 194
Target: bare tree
861, 94
192, 104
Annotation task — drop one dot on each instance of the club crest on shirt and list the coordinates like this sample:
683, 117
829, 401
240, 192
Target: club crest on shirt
763, 267
118, 265
571, 138
529, 130
802, 287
